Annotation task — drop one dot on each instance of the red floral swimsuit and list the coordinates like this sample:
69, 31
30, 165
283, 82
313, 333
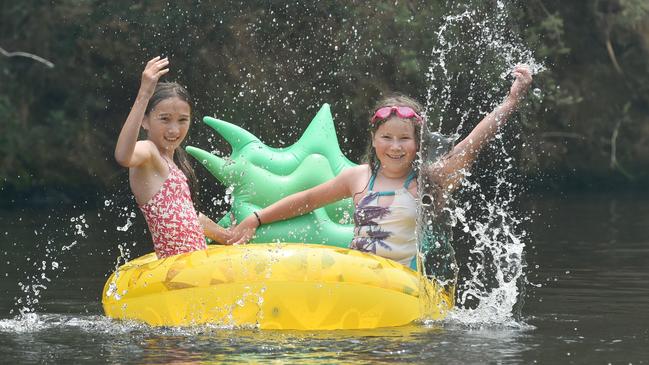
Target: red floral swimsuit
171, 217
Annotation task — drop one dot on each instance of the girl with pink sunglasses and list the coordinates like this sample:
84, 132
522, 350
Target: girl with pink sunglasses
384, 188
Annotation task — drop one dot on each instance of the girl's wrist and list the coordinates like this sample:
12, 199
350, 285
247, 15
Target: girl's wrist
143, 95
509, 104
256, 214
146, 89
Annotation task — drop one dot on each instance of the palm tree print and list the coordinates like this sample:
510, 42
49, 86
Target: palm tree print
365, 218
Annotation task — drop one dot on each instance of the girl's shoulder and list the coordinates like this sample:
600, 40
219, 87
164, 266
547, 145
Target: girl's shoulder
356, 178
155, 161
146, 144
357, 171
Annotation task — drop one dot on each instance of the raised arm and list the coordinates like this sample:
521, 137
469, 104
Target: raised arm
297, 204
450, 169
128, 152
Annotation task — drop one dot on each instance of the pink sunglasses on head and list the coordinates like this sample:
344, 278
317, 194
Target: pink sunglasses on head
400, 111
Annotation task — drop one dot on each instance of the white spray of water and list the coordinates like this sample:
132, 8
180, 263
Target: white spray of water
124, 251
34, 284
495, 265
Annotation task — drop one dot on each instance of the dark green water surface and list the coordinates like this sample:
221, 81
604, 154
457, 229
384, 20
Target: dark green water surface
587, 301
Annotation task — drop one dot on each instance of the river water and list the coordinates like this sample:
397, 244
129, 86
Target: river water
587, 301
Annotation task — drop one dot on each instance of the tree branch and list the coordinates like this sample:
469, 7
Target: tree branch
27, 55
611, 55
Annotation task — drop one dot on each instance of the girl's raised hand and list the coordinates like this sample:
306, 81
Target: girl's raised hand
523, 80
153, 70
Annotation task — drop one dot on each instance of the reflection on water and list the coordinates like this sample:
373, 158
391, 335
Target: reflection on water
592, 253
589, 257
62, 338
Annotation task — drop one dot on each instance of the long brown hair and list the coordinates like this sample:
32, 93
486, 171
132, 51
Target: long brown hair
166, 90
390, 100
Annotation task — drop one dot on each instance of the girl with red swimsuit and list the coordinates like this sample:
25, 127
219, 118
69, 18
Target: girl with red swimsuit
160, 188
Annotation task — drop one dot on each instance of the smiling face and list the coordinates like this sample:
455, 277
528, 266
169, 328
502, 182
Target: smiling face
395, 145
167, 123
392, 100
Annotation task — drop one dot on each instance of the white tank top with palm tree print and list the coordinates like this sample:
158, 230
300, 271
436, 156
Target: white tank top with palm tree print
387, 227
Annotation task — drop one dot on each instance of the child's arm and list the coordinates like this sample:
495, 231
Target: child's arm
213, 230
297, 204
128, 152
451, 168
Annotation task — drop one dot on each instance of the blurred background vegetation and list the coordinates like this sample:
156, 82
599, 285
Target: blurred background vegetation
269, 65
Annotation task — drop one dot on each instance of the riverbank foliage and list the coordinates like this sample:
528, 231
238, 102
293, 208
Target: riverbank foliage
268, 66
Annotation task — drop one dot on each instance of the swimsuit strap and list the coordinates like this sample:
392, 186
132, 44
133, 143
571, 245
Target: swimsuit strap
169, 164
409, 179
411, 176
372, 178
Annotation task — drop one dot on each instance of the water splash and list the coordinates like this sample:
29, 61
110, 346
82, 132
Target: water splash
433, 236
468, 76
32, 323
46, 268
475, 52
